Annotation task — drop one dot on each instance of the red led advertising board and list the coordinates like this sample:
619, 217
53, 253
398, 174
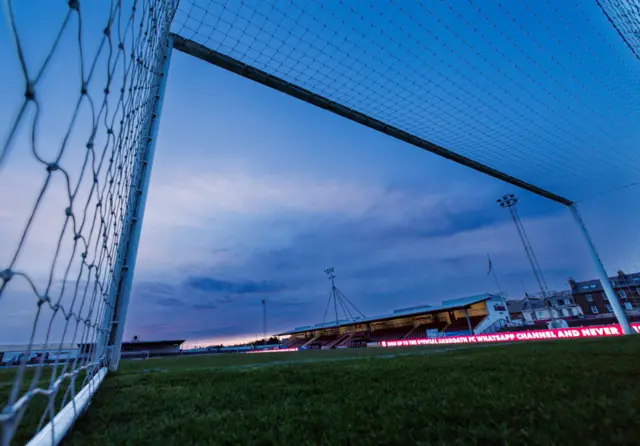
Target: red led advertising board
531, 335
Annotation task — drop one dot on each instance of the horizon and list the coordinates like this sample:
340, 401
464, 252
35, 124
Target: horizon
254, 193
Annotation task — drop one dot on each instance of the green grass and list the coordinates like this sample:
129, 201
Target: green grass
571, 392
39, 405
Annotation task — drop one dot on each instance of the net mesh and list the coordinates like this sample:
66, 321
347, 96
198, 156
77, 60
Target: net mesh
81, 86
541, 90
625, 18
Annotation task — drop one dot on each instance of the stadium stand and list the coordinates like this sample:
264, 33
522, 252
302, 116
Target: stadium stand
389, 334
297, 342
461, 325
406, 323
342, 338
420, 330
323, 340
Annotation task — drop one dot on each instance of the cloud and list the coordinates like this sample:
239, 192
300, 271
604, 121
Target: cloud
396, 246
170, 302
241, 288
205, 306
408, 247
202, 265
196, 198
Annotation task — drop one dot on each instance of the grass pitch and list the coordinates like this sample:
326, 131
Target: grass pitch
545, 393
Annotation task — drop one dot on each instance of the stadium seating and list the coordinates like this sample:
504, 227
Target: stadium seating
323, 340
461, 324
357, 339
297, 343
389, 334
420, 331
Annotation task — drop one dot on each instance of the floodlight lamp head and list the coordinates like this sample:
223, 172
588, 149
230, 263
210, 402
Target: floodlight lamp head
507, 200
329, 272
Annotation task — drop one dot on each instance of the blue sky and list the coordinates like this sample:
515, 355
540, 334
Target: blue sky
255, 193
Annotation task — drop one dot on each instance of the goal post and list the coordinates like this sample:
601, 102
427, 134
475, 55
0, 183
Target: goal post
76, 152
128, 248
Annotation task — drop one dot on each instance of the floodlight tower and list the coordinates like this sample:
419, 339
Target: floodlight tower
332, 278
509, 202
339, 301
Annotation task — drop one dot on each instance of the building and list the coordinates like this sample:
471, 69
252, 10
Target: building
535, 310
593, 301
469, 315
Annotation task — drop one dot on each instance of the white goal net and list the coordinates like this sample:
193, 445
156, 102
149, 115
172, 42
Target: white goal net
81, 91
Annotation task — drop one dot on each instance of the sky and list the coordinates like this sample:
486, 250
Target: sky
254, 193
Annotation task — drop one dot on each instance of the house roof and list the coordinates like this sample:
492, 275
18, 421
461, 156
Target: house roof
517, 306
451, 304
618, 281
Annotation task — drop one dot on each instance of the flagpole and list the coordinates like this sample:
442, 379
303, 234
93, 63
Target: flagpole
492, 270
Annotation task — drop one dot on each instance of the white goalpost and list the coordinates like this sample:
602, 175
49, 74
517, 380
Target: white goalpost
85, 104
82, 95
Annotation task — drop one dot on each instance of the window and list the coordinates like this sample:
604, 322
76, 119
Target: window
592, 286
604, 296
541, 314
560, 302
628, 306
585, 287
594, 309
609, 309
589, 298
622, 294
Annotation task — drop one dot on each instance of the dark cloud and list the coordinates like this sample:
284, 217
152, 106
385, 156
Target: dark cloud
205, 306
225, 330
169, 302
406, 249
211, 284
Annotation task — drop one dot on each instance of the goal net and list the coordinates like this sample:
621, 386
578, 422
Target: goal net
81, 92
532, 93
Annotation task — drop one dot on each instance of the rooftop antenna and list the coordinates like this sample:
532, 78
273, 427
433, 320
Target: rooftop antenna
340, 301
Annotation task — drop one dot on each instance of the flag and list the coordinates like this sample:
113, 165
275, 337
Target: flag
490, 265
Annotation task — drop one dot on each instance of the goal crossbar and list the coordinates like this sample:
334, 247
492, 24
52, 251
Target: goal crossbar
235, 66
